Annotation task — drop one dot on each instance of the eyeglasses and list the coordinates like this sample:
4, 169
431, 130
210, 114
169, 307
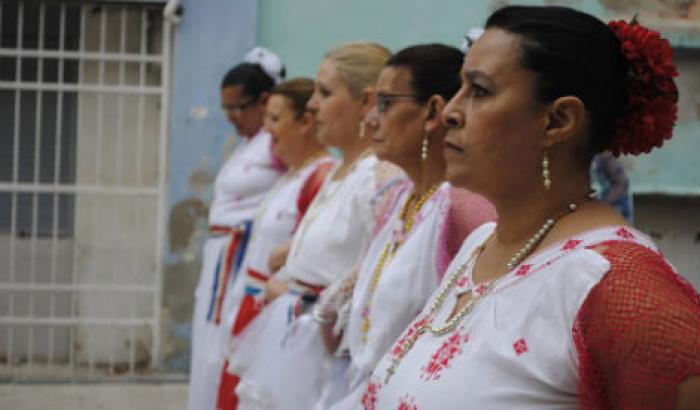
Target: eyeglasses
383, 100
238, 109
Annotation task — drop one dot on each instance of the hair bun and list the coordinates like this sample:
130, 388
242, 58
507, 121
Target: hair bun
268, 61
648, 118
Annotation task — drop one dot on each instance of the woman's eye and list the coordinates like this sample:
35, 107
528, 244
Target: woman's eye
477, 91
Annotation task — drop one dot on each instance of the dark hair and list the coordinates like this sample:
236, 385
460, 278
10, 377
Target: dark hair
434, 69
251, 78
571, 53
298, 91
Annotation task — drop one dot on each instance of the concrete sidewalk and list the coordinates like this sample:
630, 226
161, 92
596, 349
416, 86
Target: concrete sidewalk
94, 396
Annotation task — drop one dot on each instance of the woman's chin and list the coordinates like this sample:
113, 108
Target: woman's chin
457, 177
381, 152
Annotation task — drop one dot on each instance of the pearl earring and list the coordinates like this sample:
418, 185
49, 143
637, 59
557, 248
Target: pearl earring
545, 171
424, 148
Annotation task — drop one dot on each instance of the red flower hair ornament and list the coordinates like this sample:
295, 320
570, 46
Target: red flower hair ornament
650, 114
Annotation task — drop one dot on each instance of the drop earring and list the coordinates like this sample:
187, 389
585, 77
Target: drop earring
424, 148
546, 181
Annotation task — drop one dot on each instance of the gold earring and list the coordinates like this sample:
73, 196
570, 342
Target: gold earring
545, 171
363, 129
424, 148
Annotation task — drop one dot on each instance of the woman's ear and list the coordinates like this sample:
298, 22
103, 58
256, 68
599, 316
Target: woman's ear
566, 119
368, 99
308, 122
433, 113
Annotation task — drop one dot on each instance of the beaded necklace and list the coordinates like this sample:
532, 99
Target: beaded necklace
451, 323
390, 250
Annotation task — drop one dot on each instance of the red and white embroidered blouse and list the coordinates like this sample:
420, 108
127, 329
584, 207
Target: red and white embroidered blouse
570, 328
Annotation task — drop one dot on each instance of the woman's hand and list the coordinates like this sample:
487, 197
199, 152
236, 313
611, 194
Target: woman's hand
275, 288
326, 323
278, 257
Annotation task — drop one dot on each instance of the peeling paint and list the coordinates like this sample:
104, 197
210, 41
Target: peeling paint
185, 216
201, 180
199, 113
621, 5
665, 9
688, 63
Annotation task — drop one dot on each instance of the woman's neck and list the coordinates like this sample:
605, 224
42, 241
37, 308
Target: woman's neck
352, 152
351, 155
519, 217
310, 155
429, 173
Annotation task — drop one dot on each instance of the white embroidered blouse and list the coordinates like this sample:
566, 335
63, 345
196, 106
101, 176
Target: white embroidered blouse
515, 349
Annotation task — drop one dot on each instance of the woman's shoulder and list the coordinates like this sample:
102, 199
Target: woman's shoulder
637, 331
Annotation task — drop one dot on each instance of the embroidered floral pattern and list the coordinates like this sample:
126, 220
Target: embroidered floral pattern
463, 282
442, 358
407, 403
481, 289
410, 333
369, 399
624, 233
520, 346
571, 244
523, 270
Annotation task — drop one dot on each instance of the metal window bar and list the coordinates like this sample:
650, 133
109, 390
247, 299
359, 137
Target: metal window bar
44, 315
56, 178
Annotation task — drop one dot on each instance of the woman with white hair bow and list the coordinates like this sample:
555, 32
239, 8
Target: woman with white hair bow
239, 188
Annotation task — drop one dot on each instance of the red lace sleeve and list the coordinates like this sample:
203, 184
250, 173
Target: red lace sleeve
637, 333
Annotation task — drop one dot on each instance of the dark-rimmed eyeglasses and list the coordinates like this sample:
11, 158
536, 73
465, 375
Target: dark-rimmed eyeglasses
238, 109
383, 99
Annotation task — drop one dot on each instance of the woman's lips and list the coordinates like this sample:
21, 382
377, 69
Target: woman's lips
451, 146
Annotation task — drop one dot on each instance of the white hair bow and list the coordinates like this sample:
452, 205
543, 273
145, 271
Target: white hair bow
267, 60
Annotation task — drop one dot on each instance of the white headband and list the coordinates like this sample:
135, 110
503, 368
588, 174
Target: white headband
472, 35
267, 60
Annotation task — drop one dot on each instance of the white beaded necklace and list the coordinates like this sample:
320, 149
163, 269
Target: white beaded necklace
474, 299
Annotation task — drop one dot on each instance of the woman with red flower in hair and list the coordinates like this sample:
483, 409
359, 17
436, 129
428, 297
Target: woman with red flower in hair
561, 304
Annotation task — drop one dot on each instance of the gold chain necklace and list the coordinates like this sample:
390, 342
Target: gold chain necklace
390, 250
474, 299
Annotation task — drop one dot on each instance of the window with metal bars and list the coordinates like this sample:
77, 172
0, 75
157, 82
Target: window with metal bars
46, 149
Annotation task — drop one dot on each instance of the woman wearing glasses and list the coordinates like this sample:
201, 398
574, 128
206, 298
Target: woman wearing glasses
426, 220
280, 356
239, 188
561, 304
